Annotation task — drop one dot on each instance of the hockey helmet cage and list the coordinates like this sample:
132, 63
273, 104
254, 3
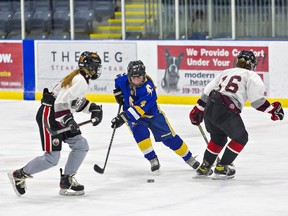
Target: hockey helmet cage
249, 57
92, 62
136, 69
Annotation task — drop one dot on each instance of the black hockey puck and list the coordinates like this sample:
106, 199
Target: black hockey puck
150, 180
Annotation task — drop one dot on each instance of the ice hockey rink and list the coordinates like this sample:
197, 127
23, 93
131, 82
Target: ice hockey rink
260, 186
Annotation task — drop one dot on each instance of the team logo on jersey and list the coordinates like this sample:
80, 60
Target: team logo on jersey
55, 142
232, 106
149, 89
143, 103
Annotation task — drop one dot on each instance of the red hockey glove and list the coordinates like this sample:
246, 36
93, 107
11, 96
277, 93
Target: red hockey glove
277, 112
196, 115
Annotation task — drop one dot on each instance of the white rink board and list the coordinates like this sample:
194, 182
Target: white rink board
56, 58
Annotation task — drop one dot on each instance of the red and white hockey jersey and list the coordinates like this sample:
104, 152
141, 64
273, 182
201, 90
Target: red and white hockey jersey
239, 85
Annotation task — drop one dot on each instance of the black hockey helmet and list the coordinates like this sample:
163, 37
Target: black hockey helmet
92, 62
250, 58
136, 68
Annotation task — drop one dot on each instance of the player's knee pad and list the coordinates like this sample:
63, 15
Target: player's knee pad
173, 143
52, 157
83, 144
219, 139
78, 143
242, 138
140, 132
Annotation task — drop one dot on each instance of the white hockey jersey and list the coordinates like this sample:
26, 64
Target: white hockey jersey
239, 85
71, 99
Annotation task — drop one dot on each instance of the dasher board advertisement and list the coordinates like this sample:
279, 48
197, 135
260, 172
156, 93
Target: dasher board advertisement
11, 66
186, 70
56, 59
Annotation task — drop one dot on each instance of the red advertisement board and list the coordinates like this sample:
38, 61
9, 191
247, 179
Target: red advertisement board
186, 70
11, 66
211, 57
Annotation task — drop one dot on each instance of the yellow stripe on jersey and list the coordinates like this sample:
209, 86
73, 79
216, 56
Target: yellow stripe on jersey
145, 146
183, 150
139, 110
147, 116
168, 123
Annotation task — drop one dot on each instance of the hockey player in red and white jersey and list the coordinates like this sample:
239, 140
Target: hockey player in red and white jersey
221, 104
57, 108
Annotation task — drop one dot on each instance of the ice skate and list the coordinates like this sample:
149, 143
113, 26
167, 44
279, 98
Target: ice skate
69, 185
204, 170
17, 179
193, 162
222, 172
155, 166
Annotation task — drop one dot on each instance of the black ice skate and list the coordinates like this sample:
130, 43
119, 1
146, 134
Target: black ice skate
17, 179
155, 165
69, 186
193, 162
204, 169
223, 172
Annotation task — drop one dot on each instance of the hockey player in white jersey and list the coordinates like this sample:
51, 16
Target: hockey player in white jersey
221, 104
57, 108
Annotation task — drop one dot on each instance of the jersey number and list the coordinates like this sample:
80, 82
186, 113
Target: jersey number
232, 85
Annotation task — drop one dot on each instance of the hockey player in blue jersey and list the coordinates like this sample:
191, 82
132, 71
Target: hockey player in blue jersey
136, 92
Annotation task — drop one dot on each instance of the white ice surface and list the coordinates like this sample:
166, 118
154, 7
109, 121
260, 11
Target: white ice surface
260, 187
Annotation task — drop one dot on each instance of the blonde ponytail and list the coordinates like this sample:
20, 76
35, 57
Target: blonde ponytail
149, 78
67, 81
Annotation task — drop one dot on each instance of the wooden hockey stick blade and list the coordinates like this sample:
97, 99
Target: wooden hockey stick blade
53, 133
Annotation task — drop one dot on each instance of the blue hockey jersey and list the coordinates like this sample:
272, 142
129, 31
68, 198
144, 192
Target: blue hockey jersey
139, 102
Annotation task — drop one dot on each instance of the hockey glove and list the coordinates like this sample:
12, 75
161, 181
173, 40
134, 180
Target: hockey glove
119, 120
96, 113
277, 111
196, 115
69, 121
119, 96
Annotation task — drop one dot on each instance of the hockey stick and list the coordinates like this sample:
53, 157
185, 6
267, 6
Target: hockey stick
96, 167
53, 133
203, 134
205, 138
